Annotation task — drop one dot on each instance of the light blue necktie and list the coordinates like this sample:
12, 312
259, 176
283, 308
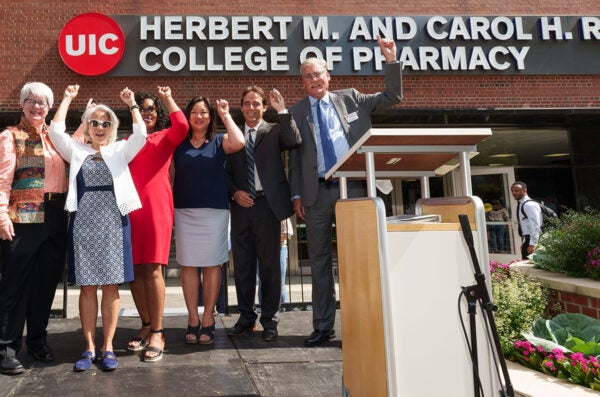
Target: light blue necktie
250, 162
326, 142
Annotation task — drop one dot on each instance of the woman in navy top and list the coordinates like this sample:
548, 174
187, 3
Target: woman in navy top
202, 209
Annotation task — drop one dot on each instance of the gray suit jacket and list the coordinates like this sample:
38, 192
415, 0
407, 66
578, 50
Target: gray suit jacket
304, 178
271, 140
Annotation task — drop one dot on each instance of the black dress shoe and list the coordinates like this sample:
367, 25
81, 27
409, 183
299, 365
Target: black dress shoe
10, 366
239, 329
42, 353
270, 334
319, 336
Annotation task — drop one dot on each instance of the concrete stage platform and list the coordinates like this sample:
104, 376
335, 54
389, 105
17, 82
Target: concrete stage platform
238, 366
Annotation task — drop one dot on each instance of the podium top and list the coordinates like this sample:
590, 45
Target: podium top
410, 152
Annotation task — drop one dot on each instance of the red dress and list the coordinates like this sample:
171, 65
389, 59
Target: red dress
151, 226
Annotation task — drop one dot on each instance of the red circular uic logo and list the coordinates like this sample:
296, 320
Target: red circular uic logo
91, 44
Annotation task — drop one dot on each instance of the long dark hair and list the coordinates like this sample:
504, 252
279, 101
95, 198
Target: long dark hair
212, 125
162, 116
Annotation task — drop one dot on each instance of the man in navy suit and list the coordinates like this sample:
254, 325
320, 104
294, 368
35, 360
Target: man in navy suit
330, 122
261, 200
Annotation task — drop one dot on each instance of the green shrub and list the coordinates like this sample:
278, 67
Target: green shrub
564, 246
521, 300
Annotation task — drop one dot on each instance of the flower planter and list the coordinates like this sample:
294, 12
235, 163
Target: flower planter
530, 383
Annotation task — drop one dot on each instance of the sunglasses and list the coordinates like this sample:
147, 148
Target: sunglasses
97, 123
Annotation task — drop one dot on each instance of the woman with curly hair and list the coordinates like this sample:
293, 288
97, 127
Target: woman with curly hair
151, 226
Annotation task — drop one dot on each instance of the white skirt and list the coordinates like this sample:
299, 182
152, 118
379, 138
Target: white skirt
201, 236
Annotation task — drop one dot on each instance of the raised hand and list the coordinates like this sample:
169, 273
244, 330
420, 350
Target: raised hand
90, 104
127, 96
276, 99
164, 92
71, 91
388, 48
222, 108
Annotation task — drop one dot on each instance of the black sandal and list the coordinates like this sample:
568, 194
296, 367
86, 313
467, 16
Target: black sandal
136, 343
195, 332
208, 331
158, 350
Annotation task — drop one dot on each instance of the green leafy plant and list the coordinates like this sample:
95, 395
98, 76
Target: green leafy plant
569, 332
564, 247
520, 299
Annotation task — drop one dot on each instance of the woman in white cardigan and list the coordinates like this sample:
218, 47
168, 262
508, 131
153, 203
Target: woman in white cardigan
101, 194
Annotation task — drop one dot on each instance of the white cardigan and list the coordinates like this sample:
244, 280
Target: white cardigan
116, 155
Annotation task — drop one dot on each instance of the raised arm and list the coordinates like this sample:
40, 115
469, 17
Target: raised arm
179, 123
128, 97
164, 93
137, 140
289, 138
388, 49
70, 94
61, 140
233, 140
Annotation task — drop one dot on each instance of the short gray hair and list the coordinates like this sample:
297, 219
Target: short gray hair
114, 121
313, 61
37, 89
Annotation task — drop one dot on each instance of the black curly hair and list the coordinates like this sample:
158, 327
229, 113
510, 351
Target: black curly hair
162, 116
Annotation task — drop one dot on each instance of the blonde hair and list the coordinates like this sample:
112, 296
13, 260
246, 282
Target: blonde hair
114, 121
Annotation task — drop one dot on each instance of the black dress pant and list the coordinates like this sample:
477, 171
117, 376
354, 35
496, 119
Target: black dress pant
255, 236
525, 239
32, 265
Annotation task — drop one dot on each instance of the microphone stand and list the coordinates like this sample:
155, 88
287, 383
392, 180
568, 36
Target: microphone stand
480, 293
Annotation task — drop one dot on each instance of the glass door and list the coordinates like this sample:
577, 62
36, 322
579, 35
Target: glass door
492, 186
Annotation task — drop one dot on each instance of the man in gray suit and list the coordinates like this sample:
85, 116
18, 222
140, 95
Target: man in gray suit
330, 122
261, 200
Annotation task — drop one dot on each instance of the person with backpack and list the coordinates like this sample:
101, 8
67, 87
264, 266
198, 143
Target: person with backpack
529, 217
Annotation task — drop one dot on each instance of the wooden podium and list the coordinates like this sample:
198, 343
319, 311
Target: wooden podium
400, 279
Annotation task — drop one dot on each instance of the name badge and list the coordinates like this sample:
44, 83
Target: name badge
352, 117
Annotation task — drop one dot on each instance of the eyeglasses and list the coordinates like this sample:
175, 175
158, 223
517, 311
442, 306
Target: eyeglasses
315, 75
149, 109
32, 102
98, 123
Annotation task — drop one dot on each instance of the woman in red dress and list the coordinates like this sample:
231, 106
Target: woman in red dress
152, 225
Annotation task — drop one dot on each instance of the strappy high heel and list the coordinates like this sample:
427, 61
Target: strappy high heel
136, 343
153, 349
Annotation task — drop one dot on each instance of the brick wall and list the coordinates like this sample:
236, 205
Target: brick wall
29, 52
574, 303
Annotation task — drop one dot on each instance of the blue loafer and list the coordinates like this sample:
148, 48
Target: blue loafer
85, 362
109, 361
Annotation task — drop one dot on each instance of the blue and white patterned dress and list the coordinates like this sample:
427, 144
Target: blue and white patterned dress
99, 236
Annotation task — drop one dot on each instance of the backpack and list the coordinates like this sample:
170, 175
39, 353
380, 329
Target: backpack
547, 212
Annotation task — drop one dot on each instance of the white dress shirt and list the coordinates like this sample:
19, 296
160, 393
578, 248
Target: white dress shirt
532, 224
